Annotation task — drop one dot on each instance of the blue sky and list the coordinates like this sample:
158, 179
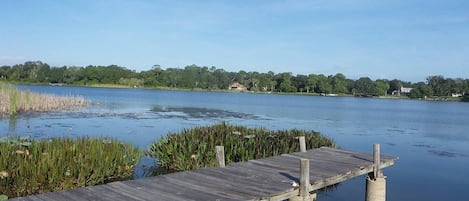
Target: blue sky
402, 39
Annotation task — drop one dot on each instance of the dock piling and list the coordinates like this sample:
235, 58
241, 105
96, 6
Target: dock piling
304, 177
302, 144
220, 154
376, 158
304, 183
376, 181
304, 194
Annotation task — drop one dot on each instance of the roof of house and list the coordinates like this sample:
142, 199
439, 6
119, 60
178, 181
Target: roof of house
406, 89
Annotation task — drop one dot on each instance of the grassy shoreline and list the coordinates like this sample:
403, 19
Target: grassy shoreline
14, 101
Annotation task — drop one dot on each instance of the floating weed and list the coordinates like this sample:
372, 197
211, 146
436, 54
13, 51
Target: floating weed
195, 148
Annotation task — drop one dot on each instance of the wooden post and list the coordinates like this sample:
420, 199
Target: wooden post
376, 181
304, 183
302, 144
304, 177
377, 161
220, 155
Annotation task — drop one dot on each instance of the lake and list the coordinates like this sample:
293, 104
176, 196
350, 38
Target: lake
431, 139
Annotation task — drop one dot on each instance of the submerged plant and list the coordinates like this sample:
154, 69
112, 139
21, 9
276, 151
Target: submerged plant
195, 148
36, 166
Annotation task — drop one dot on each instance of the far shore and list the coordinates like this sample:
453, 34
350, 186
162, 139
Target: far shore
117, 86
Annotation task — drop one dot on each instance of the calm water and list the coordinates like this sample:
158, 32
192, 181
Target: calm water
430, 138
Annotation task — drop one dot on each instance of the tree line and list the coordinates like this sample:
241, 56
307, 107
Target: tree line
212, 78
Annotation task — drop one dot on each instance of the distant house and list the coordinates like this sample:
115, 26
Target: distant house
403, 91
237, 86
456, 95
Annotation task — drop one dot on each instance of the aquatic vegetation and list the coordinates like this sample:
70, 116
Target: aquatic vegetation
13, 101
199, 113
195, 148
37, 166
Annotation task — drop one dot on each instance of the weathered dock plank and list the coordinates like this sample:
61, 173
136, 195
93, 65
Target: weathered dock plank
230, 176
263, 179
148, 192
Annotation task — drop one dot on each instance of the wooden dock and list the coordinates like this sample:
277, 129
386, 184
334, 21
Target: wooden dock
272, 178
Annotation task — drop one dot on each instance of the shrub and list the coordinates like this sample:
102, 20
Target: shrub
195, 148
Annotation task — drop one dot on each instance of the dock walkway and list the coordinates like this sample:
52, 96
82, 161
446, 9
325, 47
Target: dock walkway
272, 178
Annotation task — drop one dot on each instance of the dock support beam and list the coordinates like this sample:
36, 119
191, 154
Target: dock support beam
376, 181
220, 151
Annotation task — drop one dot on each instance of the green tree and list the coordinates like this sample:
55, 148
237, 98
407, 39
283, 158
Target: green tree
421, 91
43, 74
284, 82
439, 85
4, 72
73, 75
265, 80
17, 73
382, 87
31, 69
465, 86
242, 77
56, 74
394, 85
339, 84
222, 79
300, 82
426, 90
323, 85
91, 75
415, 93
286, 86
253, 85
312, 82
365, 87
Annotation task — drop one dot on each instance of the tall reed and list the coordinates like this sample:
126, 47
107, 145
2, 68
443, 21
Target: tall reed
31, 167
195, 148
13, 101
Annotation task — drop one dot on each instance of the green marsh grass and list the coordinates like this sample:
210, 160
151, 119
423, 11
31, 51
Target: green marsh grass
13, 101
195, 148
31, 167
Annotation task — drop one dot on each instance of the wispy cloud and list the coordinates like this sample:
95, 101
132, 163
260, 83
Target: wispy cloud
12, 60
